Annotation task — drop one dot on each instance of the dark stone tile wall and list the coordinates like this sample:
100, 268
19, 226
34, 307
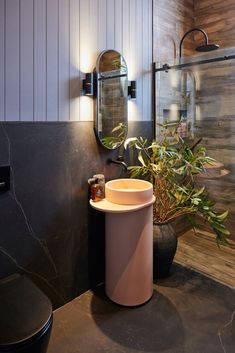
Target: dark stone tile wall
47, 228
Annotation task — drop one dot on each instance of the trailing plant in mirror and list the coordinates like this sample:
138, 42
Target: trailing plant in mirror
116, 138
171, 165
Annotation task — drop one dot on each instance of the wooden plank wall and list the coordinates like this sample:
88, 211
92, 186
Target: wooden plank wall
46, 46
217, 18
215, 82
215, 98
171, 19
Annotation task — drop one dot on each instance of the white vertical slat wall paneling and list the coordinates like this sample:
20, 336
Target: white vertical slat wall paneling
133, 111
2, 60
145, 32
52, 59
139, 57
86, 103
93, 46
146, 66
110, 24
49, 48
132, 40
74, 48
126, 43
118, 23
63, 60
12, 63
40, 60
85, 36
102, 18
93, 33
150, 56
26, 61
126, 31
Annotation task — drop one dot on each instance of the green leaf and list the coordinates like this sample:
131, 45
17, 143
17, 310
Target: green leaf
222, 216
199, 192
130, 140
141, 160
221, 228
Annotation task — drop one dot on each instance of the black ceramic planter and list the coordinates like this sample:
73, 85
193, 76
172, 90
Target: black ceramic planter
164, 249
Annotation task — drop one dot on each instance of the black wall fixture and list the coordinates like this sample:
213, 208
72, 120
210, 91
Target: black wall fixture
88, 84
202, 48
4, 178
132, 90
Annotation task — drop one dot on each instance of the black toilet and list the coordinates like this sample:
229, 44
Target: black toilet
25, 316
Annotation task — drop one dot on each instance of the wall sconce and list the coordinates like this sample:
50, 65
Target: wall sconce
88, 84
132, 90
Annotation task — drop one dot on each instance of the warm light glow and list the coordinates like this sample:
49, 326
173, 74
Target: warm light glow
132, 69
86, 108
133, 112
86, 62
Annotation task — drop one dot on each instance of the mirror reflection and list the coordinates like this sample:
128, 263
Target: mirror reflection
111, 102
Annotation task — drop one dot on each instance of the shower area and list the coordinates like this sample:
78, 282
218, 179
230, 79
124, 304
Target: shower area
198, 91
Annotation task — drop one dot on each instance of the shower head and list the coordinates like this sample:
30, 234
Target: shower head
207, 47
202, 48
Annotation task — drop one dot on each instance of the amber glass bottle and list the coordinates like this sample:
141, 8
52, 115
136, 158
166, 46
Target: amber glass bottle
97, 193
98, 189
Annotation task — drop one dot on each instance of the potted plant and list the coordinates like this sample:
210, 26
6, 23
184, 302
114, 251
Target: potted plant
171, 165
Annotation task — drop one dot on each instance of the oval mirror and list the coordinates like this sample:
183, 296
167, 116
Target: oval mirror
111, 99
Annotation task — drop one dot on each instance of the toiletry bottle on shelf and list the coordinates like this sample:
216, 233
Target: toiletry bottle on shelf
92, 182
98, 189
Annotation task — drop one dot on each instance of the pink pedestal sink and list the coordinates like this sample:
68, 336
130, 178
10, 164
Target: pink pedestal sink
129, 240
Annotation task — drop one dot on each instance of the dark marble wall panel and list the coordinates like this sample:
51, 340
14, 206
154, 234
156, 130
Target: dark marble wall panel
47, 229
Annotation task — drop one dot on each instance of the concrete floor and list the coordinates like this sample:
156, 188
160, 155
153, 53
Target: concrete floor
188, 313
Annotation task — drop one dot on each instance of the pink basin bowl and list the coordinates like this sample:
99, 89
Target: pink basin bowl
128, 191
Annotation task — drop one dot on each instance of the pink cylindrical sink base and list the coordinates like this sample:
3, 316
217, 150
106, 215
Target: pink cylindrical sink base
129, 256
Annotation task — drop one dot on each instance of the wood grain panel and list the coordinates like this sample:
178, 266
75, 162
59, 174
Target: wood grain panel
217, 18
216, 125
200, 252
215, 104
171, 19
